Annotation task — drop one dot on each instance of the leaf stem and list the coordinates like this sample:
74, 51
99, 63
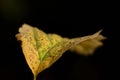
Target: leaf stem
34, 78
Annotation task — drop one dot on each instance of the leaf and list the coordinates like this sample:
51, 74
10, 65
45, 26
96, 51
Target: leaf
88, 46
41, 50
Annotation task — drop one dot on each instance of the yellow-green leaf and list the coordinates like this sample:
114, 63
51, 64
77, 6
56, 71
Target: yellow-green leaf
88, 46
41, 50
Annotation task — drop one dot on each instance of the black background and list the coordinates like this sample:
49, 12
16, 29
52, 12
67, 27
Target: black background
69, 19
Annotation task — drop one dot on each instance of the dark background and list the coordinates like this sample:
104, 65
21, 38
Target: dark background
69, 19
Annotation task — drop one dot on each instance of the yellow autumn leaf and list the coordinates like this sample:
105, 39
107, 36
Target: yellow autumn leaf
88, 46
41, 50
